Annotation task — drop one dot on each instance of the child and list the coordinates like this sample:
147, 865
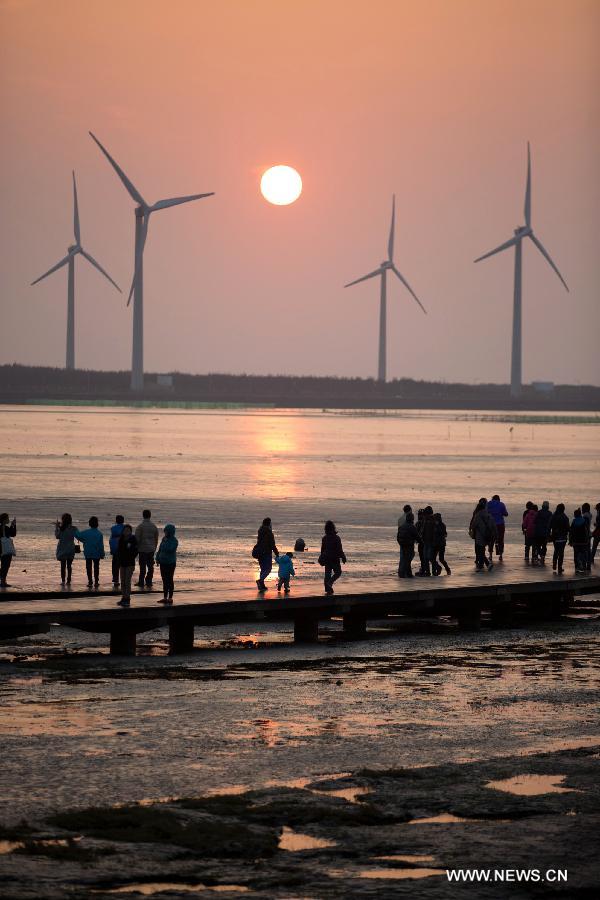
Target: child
285, 572
115, 533
93, 550
166, 557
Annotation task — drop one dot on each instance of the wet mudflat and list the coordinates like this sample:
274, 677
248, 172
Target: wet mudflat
343, 769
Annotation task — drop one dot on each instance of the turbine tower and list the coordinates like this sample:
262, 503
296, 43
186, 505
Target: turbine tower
142, 217
382, 271
520, 233
69, 261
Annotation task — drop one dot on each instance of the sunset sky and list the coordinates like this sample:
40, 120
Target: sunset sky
431, 99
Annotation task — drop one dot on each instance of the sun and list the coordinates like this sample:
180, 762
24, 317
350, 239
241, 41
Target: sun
281, 185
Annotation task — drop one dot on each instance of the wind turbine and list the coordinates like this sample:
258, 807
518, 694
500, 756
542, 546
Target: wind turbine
69, 260
142, 218
382, 271
520, 233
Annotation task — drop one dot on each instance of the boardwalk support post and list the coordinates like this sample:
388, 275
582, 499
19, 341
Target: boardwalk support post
502, 614
355, 626
306, 629
181, 636
122, 641
469, 618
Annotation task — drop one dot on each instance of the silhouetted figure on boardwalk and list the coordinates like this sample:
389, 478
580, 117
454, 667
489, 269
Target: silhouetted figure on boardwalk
146, 535
8, 530
126, 553
64, 532
332, 555
529, 532
579, 539
166, 557
528, 508
559, 534
93, 550
406, 509
407, 537
263, 551
483, 531
427, 530
113, 542
586, 512
596, 533
499, 513
440, 536
541, 532
285, 571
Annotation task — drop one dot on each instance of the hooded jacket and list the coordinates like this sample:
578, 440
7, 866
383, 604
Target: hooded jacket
167, 551
115, 533
497, 511
93, 542
529, 523
286, 566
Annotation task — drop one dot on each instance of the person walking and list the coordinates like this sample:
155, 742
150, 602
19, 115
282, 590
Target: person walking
483, 531
559, 535
332, 553
285, 571
166, 557
528, 508
579, 539
541, 532
529, 532
146, 535
440, 536
499, 513
263, 551
407, 537
64, 532
8, 530
125, 554
93, 550
427, 531
596, 533
113, 542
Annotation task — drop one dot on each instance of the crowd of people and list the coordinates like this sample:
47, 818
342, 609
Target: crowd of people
426, 536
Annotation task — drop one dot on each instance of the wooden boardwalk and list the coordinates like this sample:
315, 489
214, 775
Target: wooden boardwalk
463, 595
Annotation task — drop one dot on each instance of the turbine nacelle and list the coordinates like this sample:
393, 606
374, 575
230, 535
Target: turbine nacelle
523, 231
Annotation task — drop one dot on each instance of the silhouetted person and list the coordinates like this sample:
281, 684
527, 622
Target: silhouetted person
579, 539
64, 532
420, 547
407, 537
426, 531
8, 530
263, 551
483, 531
146, 535
529, 532
528, 508
498, 512
125, 554
407, 508
586, 512
541, 531
559, 534
93, 550
166, 557
285, 571
440, 536
332, 554
596, 533
113, 542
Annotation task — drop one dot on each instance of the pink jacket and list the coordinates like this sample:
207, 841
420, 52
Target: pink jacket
529, 523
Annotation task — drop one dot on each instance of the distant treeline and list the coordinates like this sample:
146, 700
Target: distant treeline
26, 384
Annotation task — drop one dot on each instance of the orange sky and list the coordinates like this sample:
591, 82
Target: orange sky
432, 99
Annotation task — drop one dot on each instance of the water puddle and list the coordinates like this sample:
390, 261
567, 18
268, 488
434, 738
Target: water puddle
405, 859
294, 841
349, 793
531, 785
400, 873
442, 819
9, 846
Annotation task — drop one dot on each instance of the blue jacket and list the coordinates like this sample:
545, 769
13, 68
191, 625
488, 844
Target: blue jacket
286, 566
497, 511
115, 533
93, 543
167, 550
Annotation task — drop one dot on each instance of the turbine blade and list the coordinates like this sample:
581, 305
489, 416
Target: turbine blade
76, 229
91, 260
408, 287
138, 257
176, 201
59, 265
364, 277
133, 192
528, 189
391, 237
504, 246
545, 253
